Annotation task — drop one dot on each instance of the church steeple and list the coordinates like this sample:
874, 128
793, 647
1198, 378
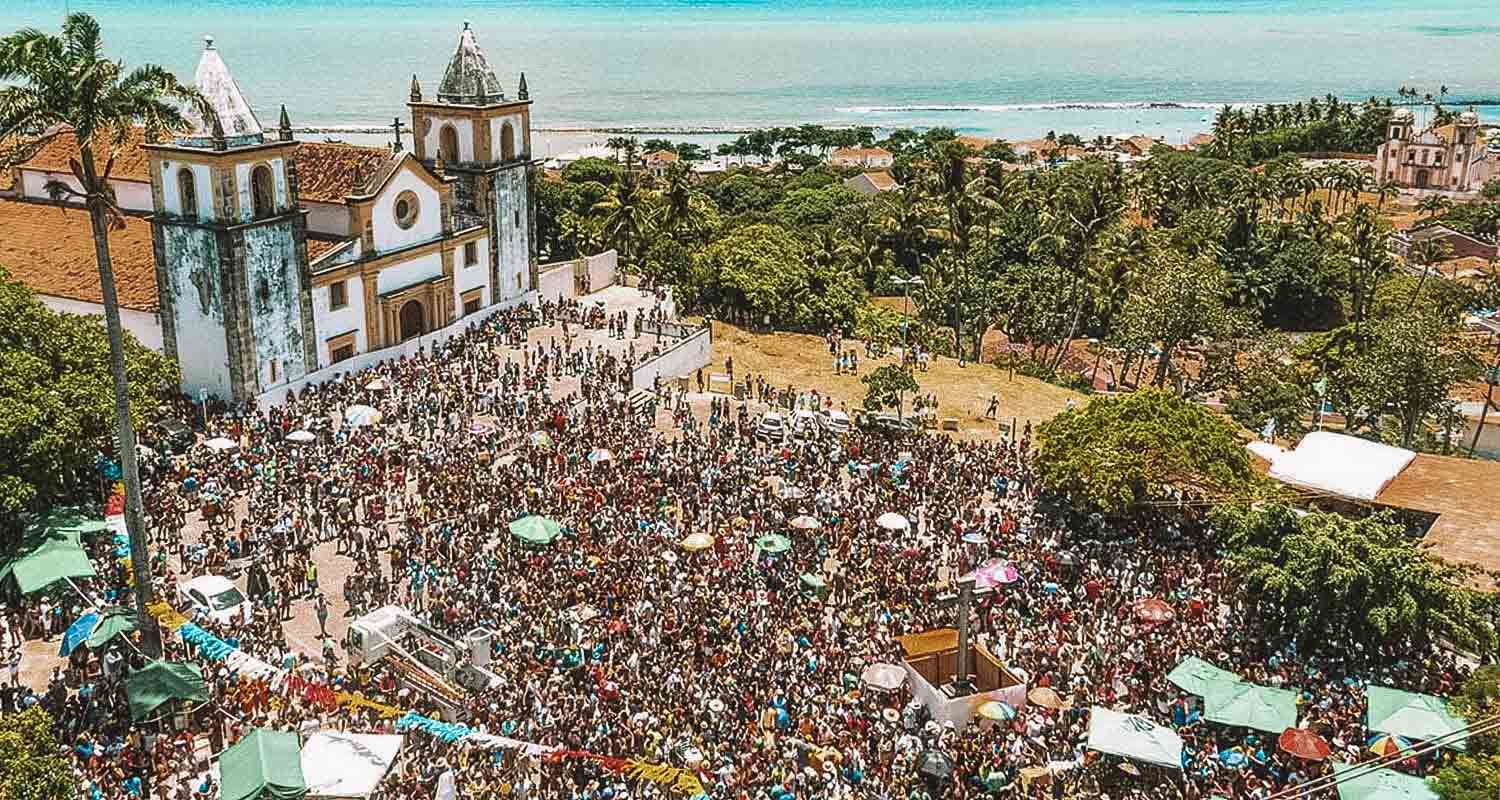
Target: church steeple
469, 80
521, 93
285, 128
416, 89
234, 122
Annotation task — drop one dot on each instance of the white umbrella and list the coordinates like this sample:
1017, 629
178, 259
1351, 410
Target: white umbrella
669, 557
892, 521
886, 677
301, 437
377, 385
360, 416
507, 460
697, 541
600, 455
219, 444
806, 523
792, 493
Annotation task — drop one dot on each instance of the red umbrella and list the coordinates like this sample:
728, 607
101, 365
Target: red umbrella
1154, 611
1303, 743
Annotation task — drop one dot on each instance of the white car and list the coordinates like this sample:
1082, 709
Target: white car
804, 424
771, 428
216, 597
834, 421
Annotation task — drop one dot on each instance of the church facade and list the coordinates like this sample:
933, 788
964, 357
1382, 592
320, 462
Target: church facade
1450, 157
272, 259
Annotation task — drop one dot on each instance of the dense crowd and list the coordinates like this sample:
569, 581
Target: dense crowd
740, 664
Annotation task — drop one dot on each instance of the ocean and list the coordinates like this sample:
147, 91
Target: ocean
1005, 68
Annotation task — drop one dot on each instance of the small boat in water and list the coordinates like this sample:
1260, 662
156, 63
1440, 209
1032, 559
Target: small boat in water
331, 140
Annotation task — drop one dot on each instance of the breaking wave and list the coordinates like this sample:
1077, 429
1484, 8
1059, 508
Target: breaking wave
1165, 105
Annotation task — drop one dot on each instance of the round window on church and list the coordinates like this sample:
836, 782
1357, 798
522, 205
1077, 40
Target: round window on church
406, 209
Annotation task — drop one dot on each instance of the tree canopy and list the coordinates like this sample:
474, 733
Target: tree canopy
1120, 455
31, 765
56, 398
887, 387
1326, 578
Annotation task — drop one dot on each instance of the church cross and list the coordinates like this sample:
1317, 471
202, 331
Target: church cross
961, 602
396, 123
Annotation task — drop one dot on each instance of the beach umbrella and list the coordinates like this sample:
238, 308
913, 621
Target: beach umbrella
539, 439
996, 710
1415, 716
507, 460
1303, 743
112, 622
885, 677
773, 543
481, 428
78, 632
1130, 769
892, 521
1047, 697
935, 765
219, 444
301, 437
535, 530
669, 556
1384, 744
379, 384
792, 493
697, 541
600, 456
806, 523
1359, 782
360, 416
1154, 611
812, 581
1249, 705
973, 537
996, 572
1193, 674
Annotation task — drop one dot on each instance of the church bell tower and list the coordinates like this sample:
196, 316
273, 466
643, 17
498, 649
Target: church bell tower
231, 250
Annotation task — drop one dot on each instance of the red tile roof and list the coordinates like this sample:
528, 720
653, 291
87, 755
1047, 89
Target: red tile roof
50, 249
131, 162
326, 171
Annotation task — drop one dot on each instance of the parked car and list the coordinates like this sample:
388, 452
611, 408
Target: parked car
216, 597
805, 424
888, 424
174, 437
771, 428
834, 421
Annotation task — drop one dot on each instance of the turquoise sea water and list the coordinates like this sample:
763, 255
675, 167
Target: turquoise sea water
1010, 68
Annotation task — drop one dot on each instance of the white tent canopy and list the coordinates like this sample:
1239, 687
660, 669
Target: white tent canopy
1341, 465
337, 764
1134, 737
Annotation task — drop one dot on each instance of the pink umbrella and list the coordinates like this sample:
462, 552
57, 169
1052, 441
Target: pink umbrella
995, 572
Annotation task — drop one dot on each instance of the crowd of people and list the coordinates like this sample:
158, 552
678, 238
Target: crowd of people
736, 661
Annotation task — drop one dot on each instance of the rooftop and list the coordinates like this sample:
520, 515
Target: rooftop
50, 249
236, 121
860, 152
61, 146
327, 172
469, 79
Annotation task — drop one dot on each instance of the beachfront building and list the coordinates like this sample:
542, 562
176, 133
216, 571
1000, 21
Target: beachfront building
863, 157
869, 184
1450, 157
256, 260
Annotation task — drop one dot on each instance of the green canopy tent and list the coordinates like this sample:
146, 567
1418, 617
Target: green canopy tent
149, 687
264, 765
114, 622
1249, 705
1415, 716
44, 558
68, 519
1133, 737
1194, 674
1362, 782
536, 530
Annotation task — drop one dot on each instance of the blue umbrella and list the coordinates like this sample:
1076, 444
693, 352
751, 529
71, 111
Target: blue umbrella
78, 632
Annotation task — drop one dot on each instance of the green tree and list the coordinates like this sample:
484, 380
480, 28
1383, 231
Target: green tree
31, 764
591, 169
1324, 578
623, 214
1121, 455
1272, 385
1471, 776
888, 386
67, 80
1408, 372
55, 390
1178, 300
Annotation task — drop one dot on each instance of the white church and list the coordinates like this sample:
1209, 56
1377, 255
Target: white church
254, 259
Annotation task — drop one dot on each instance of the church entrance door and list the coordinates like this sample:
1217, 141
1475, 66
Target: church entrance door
1421, 179
411, 320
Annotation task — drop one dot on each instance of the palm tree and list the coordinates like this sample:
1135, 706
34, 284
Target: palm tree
624, 210
66, 80
1434, 206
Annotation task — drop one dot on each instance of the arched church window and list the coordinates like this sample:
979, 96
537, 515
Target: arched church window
187, 193
507, 142
448, 144
262, 192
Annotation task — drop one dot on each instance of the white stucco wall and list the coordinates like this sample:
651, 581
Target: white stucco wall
143, 325
513, 225
602, 269
202, 352
683, 358
429, 223
556, 280
465, 129
518, 127
474, 277
330, 322
131, 195
331, 219
408, 273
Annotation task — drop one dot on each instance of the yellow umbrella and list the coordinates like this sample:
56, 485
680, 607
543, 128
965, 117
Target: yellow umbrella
1047, 698
996, 710
697, 541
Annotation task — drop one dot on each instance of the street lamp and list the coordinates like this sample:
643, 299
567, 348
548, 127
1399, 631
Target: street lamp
906, 284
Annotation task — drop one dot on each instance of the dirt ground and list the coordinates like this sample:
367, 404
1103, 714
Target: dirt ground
803, 362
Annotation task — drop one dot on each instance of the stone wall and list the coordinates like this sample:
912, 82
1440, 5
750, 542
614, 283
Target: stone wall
273, 285
196, 296
685, 357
